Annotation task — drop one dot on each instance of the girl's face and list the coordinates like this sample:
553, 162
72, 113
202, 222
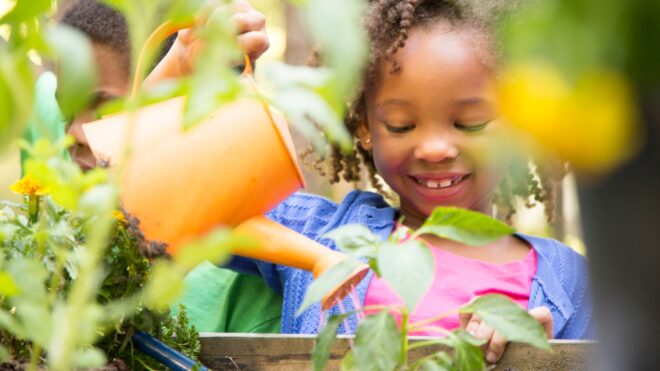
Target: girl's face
432, 128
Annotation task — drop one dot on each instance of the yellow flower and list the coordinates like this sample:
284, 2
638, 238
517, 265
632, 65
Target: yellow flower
119, 216
29, 186
592, 123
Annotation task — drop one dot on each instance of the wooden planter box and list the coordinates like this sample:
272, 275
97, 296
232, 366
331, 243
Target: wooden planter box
275, 352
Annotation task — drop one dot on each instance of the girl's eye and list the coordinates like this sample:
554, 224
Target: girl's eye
471, 127
399, 129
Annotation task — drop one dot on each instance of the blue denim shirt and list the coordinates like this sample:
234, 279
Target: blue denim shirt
561, 281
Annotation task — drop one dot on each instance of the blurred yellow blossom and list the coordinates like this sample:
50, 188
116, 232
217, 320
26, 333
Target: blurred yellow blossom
593, 124
29, 186
119, 216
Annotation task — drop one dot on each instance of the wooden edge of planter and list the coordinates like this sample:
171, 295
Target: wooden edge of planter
279, 352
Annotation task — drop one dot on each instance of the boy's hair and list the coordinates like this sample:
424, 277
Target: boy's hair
388, 23
102, 25
106, 26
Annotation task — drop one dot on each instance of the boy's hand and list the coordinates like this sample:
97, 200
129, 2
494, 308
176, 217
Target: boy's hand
250, 35
495, 343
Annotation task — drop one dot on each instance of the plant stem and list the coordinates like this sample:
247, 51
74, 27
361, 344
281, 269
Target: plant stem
34, 357
432, 319
404, 337
422, 344
33, 208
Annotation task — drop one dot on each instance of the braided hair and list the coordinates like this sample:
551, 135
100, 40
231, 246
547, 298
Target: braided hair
388, 23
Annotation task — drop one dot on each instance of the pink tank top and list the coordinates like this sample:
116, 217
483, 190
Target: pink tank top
457, 281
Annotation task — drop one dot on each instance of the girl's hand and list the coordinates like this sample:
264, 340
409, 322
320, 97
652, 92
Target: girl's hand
250, 35
496, 343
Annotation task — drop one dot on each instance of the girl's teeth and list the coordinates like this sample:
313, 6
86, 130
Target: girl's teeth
439, 184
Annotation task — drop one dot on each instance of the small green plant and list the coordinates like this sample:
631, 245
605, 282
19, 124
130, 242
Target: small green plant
407, 266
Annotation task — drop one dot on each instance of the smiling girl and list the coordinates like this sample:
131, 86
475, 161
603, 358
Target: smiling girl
425, 122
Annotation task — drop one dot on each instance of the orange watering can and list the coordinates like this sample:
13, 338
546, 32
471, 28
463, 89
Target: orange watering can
229, 170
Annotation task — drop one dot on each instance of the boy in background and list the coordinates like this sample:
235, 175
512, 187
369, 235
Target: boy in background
216, 300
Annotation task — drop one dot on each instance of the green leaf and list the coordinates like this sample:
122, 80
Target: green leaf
4, 354
7, 285
441, 361
215, 247
326, 282
89, 358
507, 318
467, 350
355, 240
16, 93
25, 11
164, 286
465, 226
348, 363
76, 68
408, 269
324, 341
11, 324
377, 343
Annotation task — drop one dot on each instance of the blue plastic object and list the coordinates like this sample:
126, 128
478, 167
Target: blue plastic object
162, 353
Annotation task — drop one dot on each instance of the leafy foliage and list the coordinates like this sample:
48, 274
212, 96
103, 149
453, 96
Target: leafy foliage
406, 264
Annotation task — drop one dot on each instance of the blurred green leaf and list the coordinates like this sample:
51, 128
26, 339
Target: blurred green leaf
355, 240
26, 10
89, 358
507, 318
467, 351
76, 68
164, 286
377, 343
440, 362
324, 341
16, 93
408, 269
215, 247
465, 226
7, 285
4, 354
348, 363
326, 282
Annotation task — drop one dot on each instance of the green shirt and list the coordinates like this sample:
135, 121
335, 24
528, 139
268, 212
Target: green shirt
217, 300
220, 300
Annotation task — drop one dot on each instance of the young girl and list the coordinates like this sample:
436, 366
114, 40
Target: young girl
426, 123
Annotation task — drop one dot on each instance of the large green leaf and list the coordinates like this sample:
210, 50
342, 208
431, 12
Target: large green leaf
327, 282
76, 68
16, 96
408, 269
465, 226
378, 344
324, 341
440, 362
507, 318
355, 240
25, 11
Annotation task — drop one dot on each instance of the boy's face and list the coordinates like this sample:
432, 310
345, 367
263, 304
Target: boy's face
433, 128
112, 82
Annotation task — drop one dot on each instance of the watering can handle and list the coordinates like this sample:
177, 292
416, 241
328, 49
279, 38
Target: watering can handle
156, 39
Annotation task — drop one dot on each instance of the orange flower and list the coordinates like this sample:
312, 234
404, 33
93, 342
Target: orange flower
29, 186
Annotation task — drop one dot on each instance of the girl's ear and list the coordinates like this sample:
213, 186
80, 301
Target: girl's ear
364, 136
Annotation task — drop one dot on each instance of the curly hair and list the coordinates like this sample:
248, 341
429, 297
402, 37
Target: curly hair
388, 23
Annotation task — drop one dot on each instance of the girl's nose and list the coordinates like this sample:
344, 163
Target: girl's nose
436, 148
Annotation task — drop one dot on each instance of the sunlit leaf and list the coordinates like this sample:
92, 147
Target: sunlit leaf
165, 285
7, 285
215, 247
408, 269
507, 318
76, 68
465, 226
348, 362
16, 90
326, 282
25, 11
324, 341
377, 343
355, 240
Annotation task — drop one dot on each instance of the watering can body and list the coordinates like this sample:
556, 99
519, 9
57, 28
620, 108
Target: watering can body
228, 170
